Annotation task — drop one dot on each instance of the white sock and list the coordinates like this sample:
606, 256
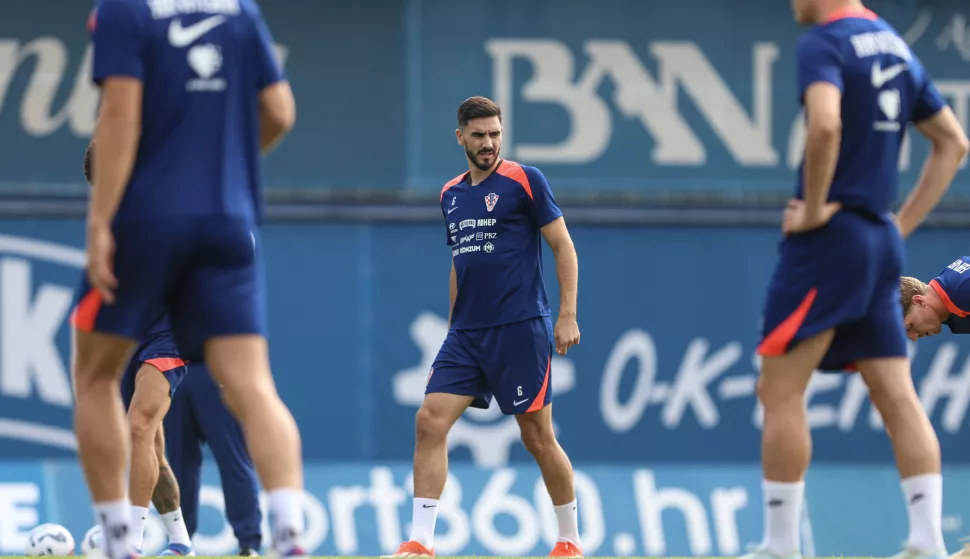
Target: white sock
924, 501
783, 514
286, 518
568, 519
423, 517
175, 528
139, 518
115, 520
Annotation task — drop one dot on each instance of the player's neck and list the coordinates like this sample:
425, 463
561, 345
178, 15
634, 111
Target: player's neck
840, 6
937, 305
477, 175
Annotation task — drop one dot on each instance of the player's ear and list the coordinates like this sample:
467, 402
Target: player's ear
919, 300
458, 136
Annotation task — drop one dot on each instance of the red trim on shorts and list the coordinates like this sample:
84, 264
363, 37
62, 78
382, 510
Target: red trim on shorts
776, 343
165, 364
86, 312
540, 400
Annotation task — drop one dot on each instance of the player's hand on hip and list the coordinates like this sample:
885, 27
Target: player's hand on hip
101, 255
566, 333
797, 218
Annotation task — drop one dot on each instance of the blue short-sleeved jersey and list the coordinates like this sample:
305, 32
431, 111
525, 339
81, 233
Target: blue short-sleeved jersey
953, 287
493, 229
884, 87
203, 65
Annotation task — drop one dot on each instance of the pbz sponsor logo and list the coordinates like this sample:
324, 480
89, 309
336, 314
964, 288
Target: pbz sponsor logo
36, 293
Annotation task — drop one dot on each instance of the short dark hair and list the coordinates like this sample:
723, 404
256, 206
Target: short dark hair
88, 156
477, 107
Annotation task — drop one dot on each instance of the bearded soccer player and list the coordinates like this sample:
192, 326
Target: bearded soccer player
191, 94
501, 339
833, 301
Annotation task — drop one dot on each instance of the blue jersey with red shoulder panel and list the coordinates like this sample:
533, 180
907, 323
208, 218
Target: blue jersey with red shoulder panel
202, 65
493, 229
953, 287
884, 87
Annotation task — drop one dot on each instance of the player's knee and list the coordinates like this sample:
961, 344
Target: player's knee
430, 426
775, 393
894, 400
537, 437
143, 425
241, 401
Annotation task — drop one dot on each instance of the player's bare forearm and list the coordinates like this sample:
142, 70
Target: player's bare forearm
452, 292
166, 495
567, 264
949, 146
938, 172
821, 157
116, 135
277, 114
567, 273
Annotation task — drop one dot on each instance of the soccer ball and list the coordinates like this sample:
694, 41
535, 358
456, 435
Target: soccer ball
50, 539
92, 540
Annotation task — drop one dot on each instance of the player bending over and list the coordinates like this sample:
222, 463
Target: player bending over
927, 307
833, 299
191, 93
500, 340
150, 380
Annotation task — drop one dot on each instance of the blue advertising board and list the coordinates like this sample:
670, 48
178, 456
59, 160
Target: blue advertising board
624, 510
695, 96
665, 372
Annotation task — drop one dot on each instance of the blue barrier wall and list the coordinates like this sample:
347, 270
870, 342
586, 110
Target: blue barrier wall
665, 372
690, 96
644, 510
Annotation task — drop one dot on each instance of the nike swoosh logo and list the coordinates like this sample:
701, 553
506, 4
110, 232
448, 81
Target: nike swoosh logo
452, 209
520, 402
880, 76
184, 36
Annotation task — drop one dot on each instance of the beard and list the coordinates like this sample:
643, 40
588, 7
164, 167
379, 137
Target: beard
473, 157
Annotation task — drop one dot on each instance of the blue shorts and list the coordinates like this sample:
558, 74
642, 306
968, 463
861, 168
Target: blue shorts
511, 362
205, 273
160, 352
844, 275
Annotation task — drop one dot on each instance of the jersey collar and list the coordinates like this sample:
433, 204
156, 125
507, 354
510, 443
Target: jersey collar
845, 13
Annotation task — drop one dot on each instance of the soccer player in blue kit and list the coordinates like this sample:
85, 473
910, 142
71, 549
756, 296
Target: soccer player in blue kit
191, 93
927, 307
833, 301
198, 416
154, 373
501, 339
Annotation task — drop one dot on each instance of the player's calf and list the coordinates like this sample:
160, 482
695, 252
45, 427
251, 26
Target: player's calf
148, 406
915, 445
786, 440
438, 413
166, 499
102, 432
240, 364
539, 439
